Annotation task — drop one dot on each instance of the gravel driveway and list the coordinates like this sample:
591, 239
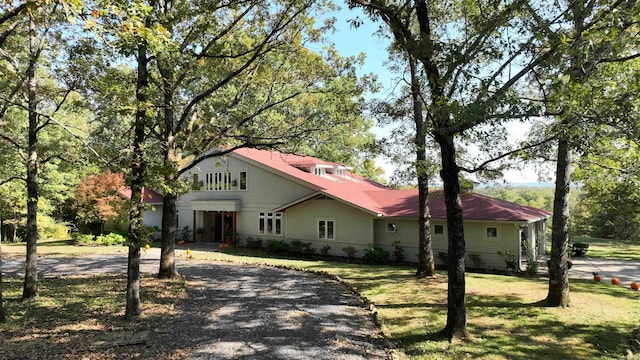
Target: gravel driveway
247, 312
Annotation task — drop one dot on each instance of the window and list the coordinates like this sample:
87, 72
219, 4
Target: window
243, 180
217, 181
195, 179
392, 227
492, 232
438, 229
270, 224
326, 229
319, 171
340, 172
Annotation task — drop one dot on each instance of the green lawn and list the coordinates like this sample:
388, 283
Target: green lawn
610, 249
59, 248
506, 318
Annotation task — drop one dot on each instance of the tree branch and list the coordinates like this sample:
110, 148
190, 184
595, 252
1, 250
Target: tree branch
8, 180
60, 124
260, 50
12, 13
484, 164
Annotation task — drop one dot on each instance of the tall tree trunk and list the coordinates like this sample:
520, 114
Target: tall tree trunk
138, 169
169, 208
558, 271
2, 316
558, 265
456, 328
169, 228
426, 263
30, 289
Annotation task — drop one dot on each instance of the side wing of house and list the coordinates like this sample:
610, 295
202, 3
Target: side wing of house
324, 221
485, 240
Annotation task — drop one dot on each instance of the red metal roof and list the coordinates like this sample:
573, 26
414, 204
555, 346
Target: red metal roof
381, 200
148, 196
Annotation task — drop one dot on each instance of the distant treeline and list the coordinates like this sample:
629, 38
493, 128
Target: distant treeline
538, 197
604, 214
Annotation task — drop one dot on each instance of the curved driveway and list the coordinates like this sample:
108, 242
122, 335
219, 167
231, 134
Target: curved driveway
246, 312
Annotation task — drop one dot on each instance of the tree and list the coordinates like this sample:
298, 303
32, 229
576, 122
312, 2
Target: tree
607, 169
238, 75
610, 188
138, 169
30, 289
426, 263
467, 53
408, 107
589, 35
99, 199
2, 315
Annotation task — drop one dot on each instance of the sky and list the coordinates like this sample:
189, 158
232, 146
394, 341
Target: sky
351, 41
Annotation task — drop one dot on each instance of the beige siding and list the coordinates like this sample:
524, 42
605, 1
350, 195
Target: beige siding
265, 191
487, 248
407, 236
475, 237
352, 226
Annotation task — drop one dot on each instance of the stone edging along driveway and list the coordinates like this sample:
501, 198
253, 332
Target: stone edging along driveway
235, 311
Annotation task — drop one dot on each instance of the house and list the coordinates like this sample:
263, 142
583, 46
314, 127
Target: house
272, 195
152, 213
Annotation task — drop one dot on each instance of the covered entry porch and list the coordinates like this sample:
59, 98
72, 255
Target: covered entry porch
215, 220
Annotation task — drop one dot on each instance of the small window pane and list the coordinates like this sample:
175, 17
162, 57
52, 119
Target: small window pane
243, 180
438, 229
278, 226
329, 229
492, 232
321, 229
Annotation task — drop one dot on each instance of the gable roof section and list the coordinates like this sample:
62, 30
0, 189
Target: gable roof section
474, 206
148, 196
350, 189
377, 199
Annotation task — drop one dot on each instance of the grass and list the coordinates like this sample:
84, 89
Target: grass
60, 248
506, 318
610, 249
72, 313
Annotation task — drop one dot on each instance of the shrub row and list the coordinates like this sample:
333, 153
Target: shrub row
371, 255
102, 240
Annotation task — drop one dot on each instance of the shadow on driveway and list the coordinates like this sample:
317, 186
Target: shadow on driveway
246, 312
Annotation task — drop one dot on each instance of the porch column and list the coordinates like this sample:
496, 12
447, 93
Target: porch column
233, 226
193, 229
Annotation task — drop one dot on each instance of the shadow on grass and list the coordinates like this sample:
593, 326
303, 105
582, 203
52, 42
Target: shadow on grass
591, 287
72, 313
506, 327
53, 243
225, 311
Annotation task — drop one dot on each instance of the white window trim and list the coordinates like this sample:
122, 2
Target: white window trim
275, 218
217, 181
326, 220
486, 229
246, 180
